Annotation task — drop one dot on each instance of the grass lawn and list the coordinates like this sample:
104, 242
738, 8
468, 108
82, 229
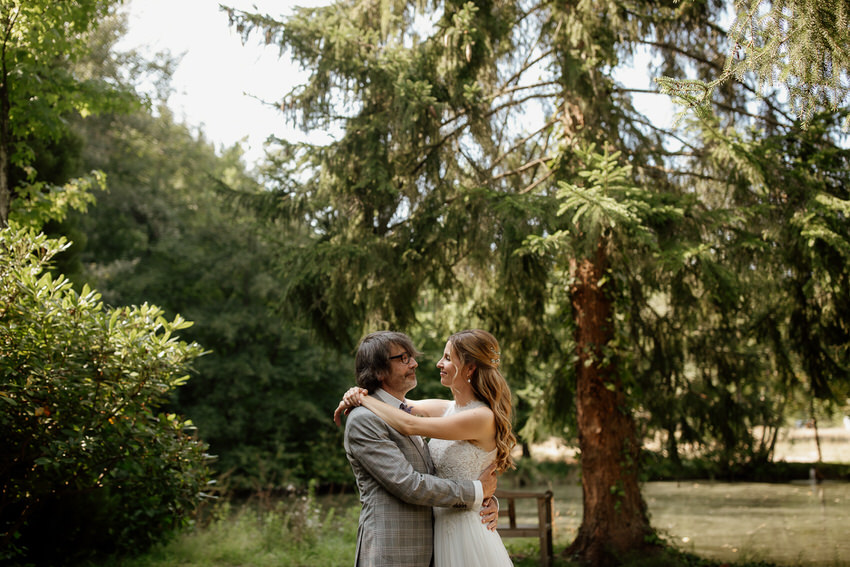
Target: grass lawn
297, 532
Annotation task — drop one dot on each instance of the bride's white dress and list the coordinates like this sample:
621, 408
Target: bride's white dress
460, 539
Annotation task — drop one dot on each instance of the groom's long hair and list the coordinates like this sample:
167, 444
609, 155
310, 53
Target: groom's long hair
372, 361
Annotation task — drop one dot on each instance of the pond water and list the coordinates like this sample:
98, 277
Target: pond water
795, 524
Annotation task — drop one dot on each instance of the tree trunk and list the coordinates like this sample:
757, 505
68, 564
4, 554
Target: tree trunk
5, 190
673, 445
5, 148
817, 440
615, 521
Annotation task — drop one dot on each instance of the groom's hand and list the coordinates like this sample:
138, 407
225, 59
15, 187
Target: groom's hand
489, 480
490, 513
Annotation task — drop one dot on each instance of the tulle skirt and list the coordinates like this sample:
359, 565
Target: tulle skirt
461, 540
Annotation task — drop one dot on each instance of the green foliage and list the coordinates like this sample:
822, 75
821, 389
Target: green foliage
606, 204
735, 327
684, 282
42, 38
806, 258
39, 91
392, 213
657, 467
798, 44
168, 231
41, 202
91, 462
389, 226
442, 204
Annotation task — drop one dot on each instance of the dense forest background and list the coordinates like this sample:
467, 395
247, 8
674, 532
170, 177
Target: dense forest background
686, 284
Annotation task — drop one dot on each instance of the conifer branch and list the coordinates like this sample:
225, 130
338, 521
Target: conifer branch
524, 167
521, 142
461, 128
689, 54
723, 74
640, 120
526, 66
681, 173
509, 91
528, 188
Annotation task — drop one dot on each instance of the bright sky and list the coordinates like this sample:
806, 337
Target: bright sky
219, 82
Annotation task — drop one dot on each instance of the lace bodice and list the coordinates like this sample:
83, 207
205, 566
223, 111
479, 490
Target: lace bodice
460, 460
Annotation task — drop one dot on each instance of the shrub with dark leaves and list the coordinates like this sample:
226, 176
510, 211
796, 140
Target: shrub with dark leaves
90, 461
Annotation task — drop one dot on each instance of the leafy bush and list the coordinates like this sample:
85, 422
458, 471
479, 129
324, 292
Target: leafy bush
89, 461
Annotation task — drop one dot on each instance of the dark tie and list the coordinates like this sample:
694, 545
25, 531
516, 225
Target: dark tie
409, 409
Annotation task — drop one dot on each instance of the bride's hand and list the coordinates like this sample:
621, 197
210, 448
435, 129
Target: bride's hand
341, 409
352, 398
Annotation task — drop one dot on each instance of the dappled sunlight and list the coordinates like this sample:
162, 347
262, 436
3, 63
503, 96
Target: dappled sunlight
785, 523
789, 523
798, 445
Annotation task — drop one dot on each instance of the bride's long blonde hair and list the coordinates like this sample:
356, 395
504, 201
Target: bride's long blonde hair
481, 349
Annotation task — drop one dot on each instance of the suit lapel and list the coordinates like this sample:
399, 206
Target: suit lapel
415, 440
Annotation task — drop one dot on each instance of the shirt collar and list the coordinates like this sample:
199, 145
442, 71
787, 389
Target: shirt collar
388, 397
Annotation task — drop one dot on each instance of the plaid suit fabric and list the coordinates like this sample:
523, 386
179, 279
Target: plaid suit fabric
397, 491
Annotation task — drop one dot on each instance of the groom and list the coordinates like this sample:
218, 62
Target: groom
394, 472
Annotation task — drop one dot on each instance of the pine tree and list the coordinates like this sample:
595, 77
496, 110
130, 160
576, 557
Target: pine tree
800, 46
484, 158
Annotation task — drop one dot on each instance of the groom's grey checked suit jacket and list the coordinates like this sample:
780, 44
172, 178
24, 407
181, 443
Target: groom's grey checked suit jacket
397, 491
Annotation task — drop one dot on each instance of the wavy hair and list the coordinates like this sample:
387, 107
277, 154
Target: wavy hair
480, 348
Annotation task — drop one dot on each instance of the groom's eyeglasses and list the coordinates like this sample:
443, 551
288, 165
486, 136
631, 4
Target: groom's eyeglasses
404, 357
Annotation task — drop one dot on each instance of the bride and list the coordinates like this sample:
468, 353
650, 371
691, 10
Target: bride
467, 434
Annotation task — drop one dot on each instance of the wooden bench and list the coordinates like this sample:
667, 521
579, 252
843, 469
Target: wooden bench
543, 529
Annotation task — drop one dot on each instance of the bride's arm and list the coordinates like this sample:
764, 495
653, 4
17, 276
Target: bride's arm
428, 408
474, 424
424, 408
